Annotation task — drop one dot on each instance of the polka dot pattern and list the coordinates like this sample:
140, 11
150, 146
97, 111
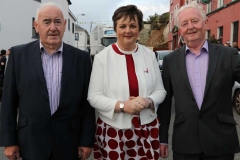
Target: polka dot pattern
140, 142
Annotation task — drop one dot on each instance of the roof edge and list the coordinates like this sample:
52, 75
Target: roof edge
69, 2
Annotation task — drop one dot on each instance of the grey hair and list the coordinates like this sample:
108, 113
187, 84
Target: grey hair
48, 4
193, 5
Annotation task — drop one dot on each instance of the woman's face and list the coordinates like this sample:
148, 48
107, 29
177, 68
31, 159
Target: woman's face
127, 32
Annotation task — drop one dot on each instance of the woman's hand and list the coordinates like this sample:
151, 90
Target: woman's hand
145, 102
135, 105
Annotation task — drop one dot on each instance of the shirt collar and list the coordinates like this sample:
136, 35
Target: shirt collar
204, 47
59, 50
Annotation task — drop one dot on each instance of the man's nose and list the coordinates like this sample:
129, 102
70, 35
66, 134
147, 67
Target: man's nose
190, 25
52, 26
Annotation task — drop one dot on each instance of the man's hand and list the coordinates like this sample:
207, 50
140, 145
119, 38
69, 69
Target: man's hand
164, 150
84, 152
12, 152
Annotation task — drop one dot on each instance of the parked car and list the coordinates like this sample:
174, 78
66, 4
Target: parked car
236, 96
160, 55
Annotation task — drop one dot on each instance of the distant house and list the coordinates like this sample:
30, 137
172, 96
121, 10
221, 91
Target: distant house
16, 22
82, 34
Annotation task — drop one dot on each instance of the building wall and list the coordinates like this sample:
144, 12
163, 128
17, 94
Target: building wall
144, 34
82, 43
224, 18
69, 35
16, 21
173, 37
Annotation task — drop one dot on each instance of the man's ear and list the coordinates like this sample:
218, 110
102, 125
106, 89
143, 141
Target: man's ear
206, 21
36, 26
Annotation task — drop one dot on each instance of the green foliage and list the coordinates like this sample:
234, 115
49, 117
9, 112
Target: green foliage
153, 18
164, 17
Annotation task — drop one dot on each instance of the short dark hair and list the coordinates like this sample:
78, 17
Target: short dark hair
128, 11
3, 52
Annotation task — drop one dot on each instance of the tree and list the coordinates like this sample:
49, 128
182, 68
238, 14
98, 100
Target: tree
153, 18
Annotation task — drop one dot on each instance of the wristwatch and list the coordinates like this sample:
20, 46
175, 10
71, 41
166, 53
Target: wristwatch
150, 102
121, 106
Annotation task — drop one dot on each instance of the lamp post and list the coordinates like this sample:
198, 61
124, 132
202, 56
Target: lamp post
82, 14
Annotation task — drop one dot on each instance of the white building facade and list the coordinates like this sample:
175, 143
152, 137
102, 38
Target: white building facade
16, 22
81, 41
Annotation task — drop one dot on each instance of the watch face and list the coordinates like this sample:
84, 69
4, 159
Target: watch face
121, 105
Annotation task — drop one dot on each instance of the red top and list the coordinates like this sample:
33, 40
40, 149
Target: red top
132, 77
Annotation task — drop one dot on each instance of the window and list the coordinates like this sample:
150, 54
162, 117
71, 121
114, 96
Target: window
209, 7
72, 27
220, 3
208, 33
95, 35
34, 33
235, 31
176, 8
220, 34
69, 24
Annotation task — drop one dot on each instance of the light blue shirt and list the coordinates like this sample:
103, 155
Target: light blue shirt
197, 67
52, 68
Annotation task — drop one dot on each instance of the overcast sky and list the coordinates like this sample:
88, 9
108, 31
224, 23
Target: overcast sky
101, 11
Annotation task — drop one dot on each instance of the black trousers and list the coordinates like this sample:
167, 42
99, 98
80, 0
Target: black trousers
179, 156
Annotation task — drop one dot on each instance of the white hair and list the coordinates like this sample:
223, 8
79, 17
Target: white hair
193, 5
48, 4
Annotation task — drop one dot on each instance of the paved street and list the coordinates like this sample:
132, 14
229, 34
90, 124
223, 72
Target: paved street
237, 156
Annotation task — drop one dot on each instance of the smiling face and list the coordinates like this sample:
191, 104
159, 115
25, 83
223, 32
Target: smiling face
127, 33
51, 26
192, 26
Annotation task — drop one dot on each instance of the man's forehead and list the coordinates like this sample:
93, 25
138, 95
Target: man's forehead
51, 12
194, 13
189, 17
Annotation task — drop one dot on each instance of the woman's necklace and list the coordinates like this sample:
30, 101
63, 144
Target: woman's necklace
127, 52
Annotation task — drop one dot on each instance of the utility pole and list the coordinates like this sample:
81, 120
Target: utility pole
91, 27
82, 14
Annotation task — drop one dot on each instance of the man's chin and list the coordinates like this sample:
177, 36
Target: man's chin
192, 39
54, 42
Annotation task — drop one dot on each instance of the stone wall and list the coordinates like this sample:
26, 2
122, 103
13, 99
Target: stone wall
154, 35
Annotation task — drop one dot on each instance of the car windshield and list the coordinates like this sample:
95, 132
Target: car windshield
162, 54
109, 40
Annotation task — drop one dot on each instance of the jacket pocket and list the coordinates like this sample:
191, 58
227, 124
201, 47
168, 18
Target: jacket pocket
226, 119
22, 122
179, 119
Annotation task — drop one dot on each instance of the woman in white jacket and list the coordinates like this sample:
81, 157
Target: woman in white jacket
125, 89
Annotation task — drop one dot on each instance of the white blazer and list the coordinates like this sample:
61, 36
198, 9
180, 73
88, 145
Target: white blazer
109, 84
